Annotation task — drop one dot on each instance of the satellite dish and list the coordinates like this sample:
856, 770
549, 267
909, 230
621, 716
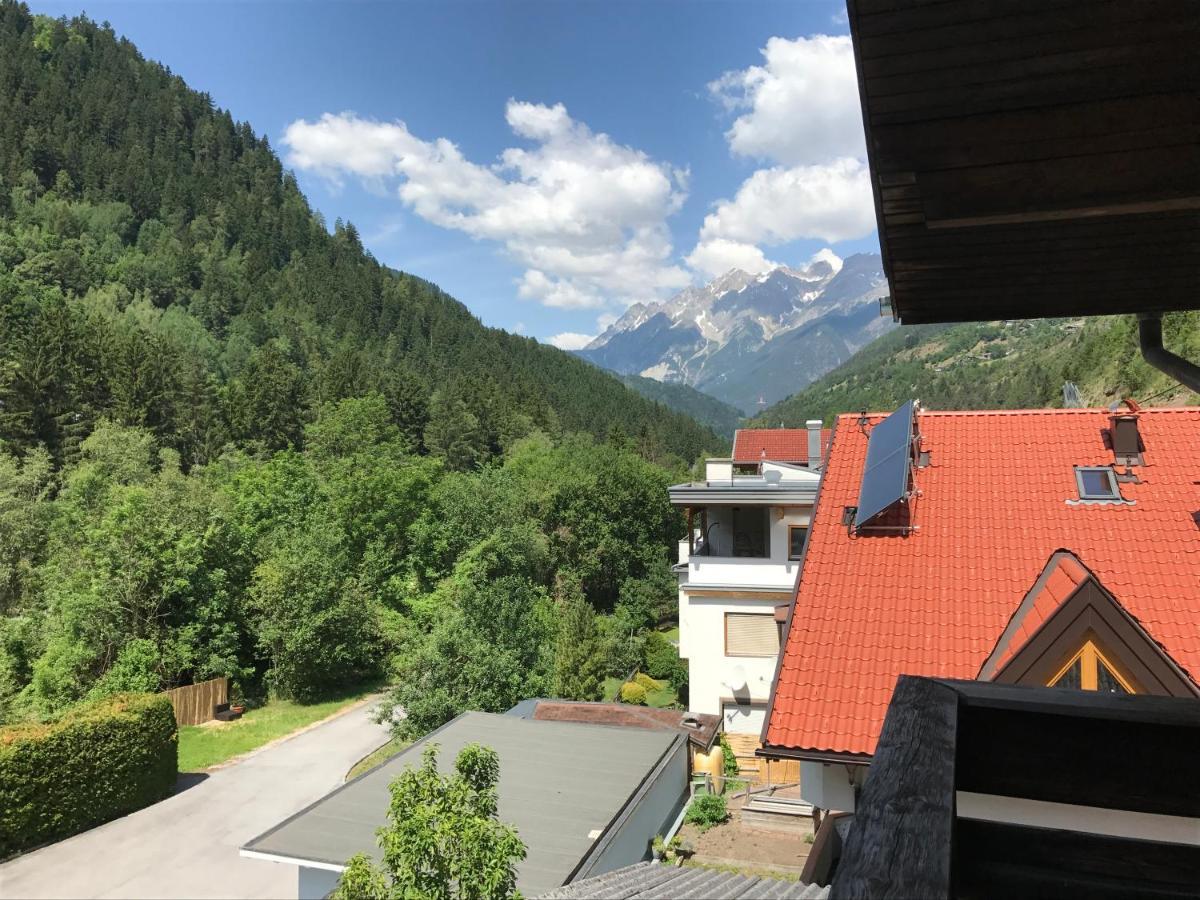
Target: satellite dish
737, 679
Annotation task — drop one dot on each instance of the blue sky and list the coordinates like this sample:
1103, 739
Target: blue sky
546, 163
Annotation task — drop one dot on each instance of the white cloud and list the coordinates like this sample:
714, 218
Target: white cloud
519, 328
773, 206
799, 110
570, 340
586, 216
801, 106
716, 256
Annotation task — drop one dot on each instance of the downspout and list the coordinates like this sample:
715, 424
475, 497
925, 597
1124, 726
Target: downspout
1151, 341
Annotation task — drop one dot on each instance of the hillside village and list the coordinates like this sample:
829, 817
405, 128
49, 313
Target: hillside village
868, 576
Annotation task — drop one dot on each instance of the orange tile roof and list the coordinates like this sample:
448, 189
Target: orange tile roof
992, 511
788, 445
1058, 581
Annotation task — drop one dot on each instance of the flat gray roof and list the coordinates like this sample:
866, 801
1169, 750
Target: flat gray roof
559, 783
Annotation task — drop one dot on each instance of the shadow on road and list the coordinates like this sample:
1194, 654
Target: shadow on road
188, 780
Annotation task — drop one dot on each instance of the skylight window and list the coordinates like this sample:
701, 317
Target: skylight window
1097, 483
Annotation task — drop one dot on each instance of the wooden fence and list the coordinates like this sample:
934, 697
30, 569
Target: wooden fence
755, 768
194, 703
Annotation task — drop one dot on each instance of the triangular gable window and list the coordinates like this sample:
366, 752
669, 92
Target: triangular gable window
1091, 670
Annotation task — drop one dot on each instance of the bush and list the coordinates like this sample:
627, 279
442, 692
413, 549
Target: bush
663, 662
706, 811
93, 764
632, 692
648, 683
731, 764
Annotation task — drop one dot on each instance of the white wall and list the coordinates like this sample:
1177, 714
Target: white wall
830, 786
710, 671
316, 884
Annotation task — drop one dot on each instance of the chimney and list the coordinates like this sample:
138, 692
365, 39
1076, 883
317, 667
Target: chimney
1126, 441
814, 443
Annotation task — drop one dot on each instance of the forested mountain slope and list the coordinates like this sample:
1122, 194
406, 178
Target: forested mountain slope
234, 444
716, 414
159, 267
995, 365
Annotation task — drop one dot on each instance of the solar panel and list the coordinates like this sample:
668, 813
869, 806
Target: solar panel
889, 455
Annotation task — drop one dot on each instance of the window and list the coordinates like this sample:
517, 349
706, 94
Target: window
751, 634
750, 532
1091, 670
1097, 483
797, 535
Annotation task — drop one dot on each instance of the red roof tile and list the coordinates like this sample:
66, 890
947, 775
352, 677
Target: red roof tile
992, 510
788, 445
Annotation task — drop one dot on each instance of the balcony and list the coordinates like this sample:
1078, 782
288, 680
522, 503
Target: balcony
705, 570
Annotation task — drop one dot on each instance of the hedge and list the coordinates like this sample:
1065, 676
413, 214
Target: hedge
95, 763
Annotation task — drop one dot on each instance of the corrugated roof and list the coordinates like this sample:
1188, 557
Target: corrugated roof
788, 445
994, 507
559, 782
655, 881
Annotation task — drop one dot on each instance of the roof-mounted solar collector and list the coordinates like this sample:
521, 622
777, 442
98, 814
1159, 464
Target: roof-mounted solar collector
888, 471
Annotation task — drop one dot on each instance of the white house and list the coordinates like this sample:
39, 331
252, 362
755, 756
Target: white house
747, 528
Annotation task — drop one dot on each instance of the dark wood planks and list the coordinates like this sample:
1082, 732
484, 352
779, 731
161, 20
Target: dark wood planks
997, 860
901, 844
996, 128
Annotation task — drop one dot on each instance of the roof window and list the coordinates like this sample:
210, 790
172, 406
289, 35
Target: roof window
1097, 483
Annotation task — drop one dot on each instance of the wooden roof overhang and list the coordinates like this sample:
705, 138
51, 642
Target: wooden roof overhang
1033, 158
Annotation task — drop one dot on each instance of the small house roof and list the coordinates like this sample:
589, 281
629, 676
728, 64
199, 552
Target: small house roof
562, 784
788, 445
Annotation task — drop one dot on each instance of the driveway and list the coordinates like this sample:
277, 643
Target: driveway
187, 845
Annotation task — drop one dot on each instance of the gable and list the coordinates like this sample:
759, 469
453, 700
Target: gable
1092, 614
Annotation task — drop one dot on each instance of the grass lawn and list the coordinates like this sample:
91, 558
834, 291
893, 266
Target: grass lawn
202, 746
671, 634
383, 754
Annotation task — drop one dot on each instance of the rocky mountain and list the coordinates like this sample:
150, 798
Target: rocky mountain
749, 340
997, 365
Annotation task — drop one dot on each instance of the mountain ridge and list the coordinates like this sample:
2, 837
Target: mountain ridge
727, 338
190, 288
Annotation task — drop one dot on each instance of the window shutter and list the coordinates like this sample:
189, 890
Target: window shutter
751, 634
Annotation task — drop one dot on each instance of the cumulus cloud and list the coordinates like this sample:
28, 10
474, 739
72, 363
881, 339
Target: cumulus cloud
570, 340
800, 107
716, 256
798, 111
584, 215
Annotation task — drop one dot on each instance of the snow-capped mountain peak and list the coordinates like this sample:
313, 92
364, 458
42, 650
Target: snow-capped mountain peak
707, 334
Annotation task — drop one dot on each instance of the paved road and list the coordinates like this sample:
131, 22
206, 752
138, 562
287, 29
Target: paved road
187, 845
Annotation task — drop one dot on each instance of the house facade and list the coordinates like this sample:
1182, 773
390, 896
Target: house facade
747, 527
1052, 548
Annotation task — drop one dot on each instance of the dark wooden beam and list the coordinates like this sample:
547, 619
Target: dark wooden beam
1001, 860
902, 842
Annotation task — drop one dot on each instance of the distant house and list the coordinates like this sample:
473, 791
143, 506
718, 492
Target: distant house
585, 799
1051, 547
747, 525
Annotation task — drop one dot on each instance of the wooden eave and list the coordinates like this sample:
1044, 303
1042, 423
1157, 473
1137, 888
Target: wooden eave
1033, 158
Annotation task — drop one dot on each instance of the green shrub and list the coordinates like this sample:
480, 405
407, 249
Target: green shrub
663, 662
706, 811
648, 683
632, 692
732, 770
93, 764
